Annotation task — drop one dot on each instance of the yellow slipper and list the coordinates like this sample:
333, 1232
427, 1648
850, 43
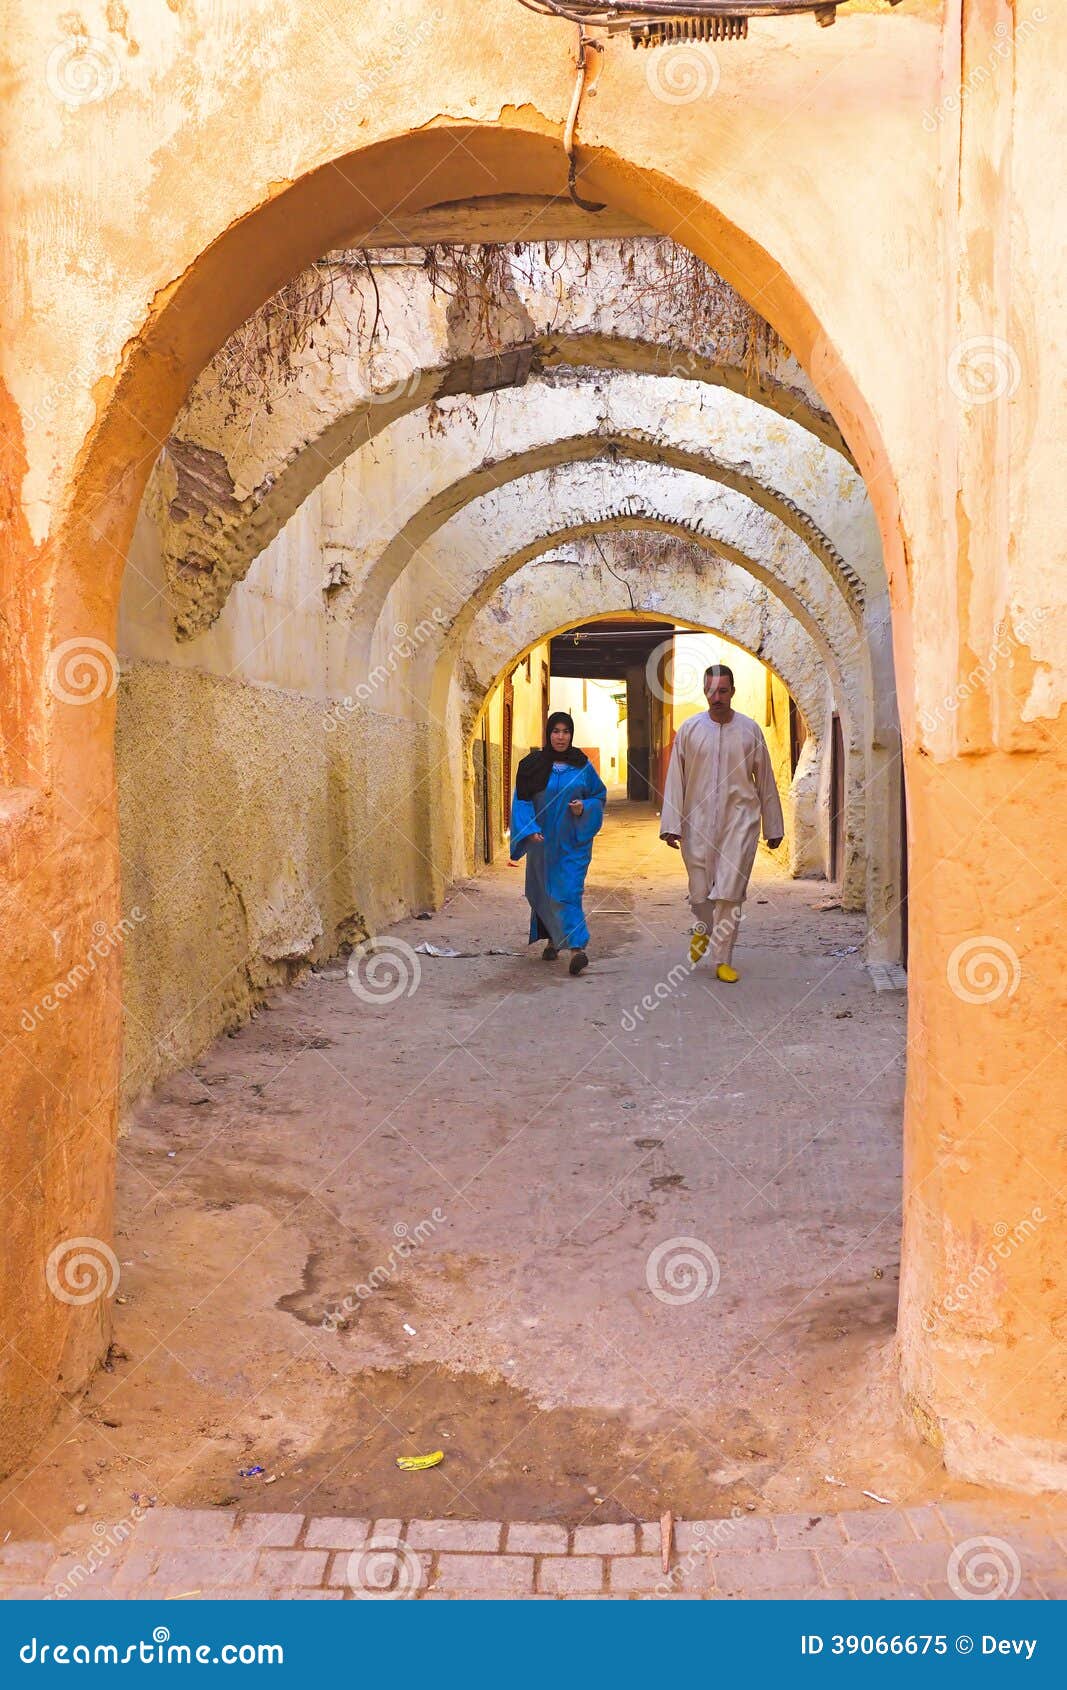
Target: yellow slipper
725, 972
698, 944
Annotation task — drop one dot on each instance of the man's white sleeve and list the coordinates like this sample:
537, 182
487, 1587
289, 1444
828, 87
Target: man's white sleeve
670, 820
769, 802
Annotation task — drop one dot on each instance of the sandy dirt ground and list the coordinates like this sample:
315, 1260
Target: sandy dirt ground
615, 1244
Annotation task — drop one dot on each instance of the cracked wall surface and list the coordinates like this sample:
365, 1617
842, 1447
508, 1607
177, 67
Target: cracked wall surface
260, 814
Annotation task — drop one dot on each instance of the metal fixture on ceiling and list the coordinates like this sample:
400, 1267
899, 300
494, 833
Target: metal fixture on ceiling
654, 23
657, 23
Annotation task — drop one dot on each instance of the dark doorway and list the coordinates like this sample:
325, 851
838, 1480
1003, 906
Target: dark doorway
837, 799
619, 648
509, 718
483, 801
798, 733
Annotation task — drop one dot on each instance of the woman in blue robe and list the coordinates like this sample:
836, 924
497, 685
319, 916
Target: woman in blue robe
557, 811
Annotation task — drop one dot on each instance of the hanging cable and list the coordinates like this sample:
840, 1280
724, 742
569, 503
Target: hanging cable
584, 45
596, 541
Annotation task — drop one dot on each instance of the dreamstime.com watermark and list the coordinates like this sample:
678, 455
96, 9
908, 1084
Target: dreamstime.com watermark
336, 120
384, 1569
675, 977
982, 369
675, 668
1007, 1241
407, 641
71, 385
82, 670
82, 69
107, 940
82, 1270
408, 1240
984, 1569
76, 379
159, 1651
682, 1270
1006, 639
393, 372
402, 39
980, 74
681, 74
382, 970
109, 1539
707, 1535
983, 969
661, 991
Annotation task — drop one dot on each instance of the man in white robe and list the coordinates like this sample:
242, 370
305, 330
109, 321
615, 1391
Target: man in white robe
720, 785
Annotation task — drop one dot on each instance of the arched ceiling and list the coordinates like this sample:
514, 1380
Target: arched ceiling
260, 431
392, 497
462, 563
664, 577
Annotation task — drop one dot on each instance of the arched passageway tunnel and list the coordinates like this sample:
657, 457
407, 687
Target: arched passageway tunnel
319, 871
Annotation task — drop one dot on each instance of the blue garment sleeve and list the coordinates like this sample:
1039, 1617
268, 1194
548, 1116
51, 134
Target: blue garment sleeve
524, 824
594, 796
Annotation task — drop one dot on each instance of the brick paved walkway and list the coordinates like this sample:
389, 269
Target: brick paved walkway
945, 1550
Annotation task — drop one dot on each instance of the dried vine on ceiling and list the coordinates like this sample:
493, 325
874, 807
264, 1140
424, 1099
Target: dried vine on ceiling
675, 299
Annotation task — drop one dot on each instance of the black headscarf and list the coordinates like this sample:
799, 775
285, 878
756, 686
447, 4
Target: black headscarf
534, 770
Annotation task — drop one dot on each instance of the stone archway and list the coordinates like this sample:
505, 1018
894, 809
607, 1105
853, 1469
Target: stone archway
726, 184
787, 474
490, 538
552, 594
622, 421
545, 597
239, 463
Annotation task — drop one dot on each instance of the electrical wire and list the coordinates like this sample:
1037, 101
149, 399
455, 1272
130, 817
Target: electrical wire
596, 541
615, 15
584, 46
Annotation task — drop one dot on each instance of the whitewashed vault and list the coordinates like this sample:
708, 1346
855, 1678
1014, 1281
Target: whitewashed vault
660, 576
369, 338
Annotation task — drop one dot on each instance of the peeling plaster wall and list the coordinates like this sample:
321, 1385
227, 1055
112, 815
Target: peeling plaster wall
265, 822
225, 832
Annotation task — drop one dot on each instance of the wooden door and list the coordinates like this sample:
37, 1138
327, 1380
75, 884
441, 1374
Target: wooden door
798, 733
509, 718
486, 793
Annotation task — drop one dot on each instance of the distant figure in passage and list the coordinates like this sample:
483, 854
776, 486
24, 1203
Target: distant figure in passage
557, 811
719, 784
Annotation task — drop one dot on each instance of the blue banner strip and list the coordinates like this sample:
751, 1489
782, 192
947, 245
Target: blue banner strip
677, 1644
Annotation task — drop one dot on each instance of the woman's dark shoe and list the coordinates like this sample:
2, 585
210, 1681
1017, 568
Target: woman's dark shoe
549, 954
579, 960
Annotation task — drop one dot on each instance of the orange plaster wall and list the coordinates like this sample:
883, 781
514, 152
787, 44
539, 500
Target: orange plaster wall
143, 229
